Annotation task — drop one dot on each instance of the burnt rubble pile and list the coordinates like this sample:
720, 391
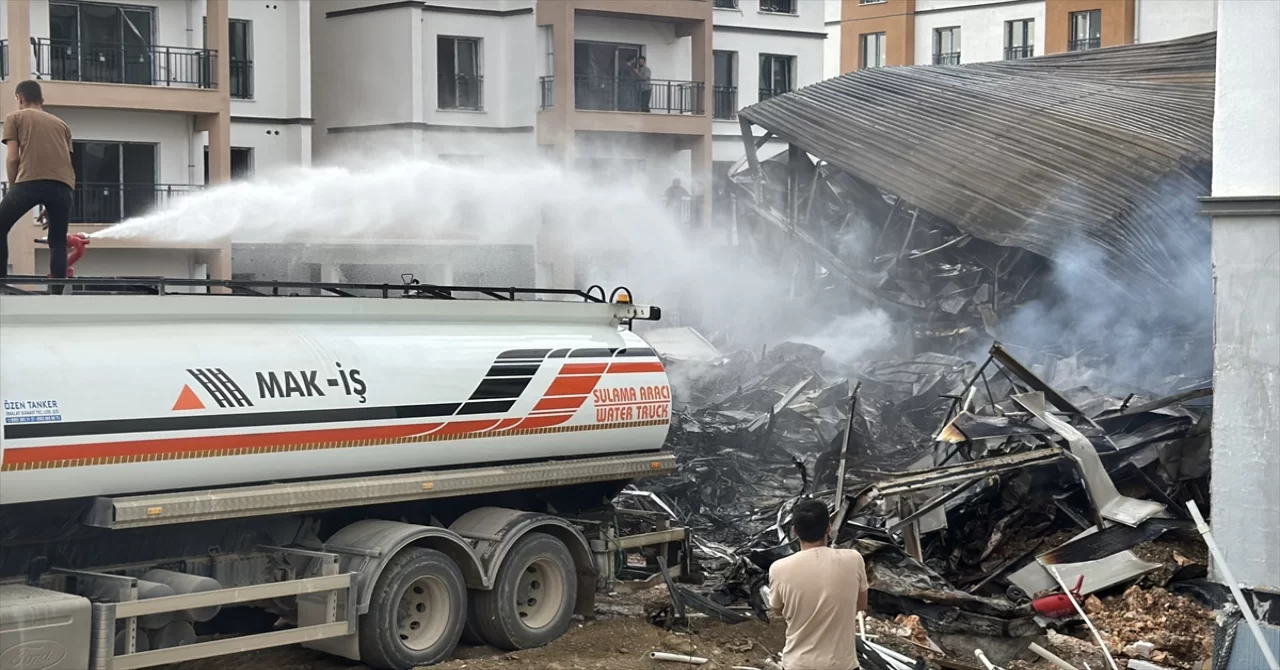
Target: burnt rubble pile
964, 484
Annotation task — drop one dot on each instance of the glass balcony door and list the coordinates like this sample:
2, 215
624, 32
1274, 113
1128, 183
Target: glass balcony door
101, 43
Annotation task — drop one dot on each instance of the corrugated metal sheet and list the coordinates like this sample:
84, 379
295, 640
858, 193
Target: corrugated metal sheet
1112, 145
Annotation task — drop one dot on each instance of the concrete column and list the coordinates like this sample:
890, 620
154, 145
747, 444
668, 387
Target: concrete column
1245, 207
703, 65
219, 125
18, 22
700, 168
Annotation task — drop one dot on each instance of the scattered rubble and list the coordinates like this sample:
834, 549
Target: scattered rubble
964, 482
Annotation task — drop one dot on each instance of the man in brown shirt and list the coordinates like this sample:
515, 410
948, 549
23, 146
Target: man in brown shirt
819, 591
38, 165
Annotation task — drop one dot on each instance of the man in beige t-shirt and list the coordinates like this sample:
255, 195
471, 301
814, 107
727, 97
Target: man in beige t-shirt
819, 591
40, 173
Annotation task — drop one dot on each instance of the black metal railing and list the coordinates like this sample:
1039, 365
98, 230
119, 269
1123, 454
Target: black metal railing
112, 203
619, 94
778, 6
4, 59
766, 93
1014, 53
951, 58
1085, 44
725, 4
546, 92
241, 79
460, 91
688, 210
139, 64
724, 102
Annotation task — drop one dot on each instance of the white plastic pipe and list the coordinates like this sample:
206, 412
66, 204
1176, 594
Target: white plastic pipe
1050, 657
676, 658
1221, 564
982, 658
885, 651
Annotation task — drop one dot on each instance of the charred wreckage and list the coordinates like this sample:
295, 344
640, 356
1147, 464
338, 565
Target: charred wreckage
1040, 447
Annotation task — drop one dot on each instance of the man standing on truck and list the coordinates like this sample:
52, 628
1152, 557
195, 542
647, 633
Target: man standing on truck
38, 165
819, 591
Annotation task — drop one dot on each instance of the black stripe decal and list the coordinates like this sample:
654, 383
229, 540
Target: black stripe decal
639, 351
219, 421
503, 370
558, 353
591, 353
506, 387
536, 354
485, 407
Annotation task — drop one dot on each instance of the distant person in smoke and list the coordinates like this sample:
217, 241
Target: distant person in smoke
819, 591
675, 194
38, 165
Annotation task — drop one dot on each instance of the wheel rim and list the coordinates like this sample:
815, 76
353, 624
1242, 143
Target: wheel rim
539, 593
423, 613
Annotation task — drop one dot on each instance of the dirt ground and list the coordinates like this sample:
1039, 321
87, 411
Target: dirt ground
618, 639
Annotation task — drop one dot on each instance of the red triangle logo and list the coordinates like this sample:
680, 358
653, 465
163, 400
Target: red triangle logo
187, 400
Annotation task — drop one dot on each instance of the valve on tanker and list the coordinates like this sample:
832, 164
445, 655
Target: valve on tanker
76, 242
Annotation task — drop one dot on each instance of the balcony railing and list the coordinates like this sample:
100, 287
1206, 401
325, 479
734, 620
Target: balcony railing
546, 92
4, 59
142, 65
1085, 44
460, 91
658, 96
778, 6
688, 210
725, 4
112, 203
724, 101
766, 93
952, 58
241, 79
1014, 53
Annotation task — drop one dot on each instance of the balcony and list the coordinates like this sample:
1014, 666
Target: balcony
139, 65
1015, 53
1086, 44
241, 79
724, 102
778, 6
766, 93
463, 92
104, 203
546, 92
654, 96
952, 58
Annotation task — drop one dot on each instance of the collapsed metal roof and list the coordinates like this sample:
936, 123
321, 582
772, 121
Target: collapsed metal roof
1112, 145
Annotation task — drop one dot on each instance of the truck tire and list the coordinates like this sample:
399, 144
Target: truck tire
532, 601
416, 613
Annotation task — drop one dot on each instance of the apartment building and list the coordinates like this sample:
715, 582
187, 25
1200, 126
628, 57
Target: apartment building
876, 33
494, 81
163, 98
761, 48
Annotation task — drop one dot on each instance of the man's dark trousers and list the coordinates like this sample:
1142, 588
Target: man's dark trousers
25, 196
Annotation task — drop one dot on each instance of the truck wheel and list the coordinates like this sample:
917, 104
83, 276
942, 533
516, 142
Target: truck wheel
531, 603
417, 611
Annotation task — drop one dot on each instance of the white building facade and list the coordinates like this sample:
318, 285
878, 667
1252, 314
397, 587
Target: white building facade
762, 48
162, 98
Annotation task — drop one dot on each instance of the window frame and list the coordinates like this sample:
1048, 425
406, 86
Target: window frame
951, 57
455, 77
882, 51
1027, 49
789, 62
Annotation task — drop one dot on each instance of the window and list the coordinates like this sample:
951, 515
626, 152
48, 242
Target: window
604, 79
778, 6
871, 2
724, 93
725, 4
775, 75
240, 58
99, 43
460, 83
1019, 39
1086, 30
241, 163
114, 180
946, 46
874, 51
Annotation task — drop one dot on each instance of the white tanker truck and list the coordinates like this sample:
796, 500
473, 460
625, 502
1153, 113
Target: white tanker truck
374, 477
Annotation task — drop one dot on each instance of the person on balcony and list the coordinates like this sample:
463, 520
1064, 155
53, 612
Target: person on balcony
38, 165
643, 73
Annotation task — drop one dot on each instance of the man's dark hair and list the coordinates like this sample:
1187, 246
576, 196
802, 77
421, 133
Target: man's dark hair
30, 91
810, 520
